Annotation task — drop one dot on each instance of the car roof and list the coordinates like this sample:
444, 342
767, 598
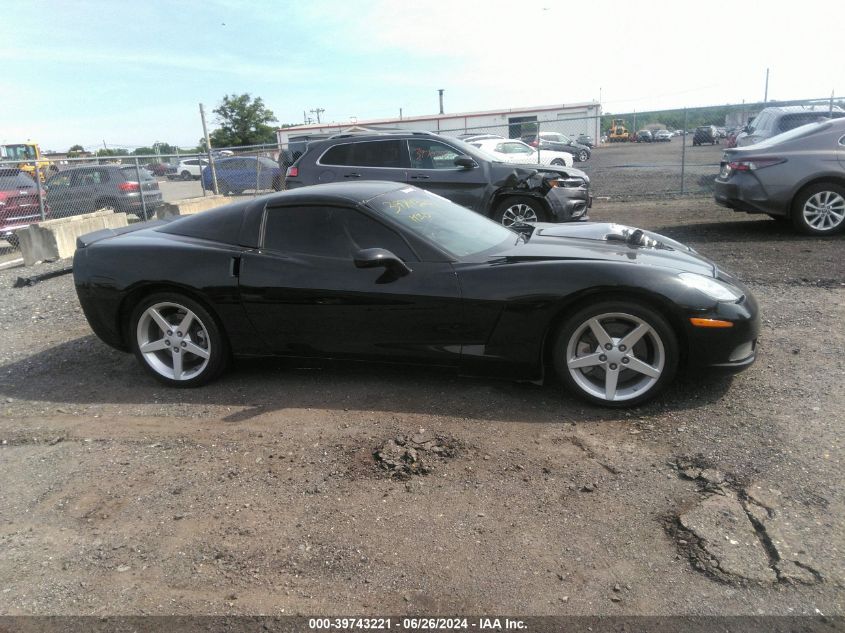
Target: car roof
239, 222
817, 109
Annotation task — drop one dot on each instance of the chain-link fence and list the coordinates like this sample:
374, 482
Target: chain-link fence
48, 188
646, 154
636, 154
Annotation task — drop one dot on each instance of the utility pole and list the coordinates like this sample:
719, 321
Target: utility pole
317, 111
400, 113
440, 92
766, 93
208, 149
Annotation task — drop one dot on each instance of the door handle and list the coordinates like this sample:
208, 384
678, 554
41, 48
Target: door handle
420, 177
352, 175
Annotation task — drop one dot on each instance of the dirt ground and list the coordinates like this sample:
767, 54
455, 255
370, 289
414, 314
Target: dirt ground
362, 489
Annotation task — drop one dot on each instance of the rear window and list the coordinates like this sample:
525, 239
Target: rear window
378, 154
792, 121
12, 179
130, 173
338, 155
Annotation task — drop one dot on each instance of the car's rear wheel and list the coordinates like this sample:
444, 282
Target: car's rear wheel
223, 186
177, 340
819, 209
519, 210
616, 353
559, 162
583, 155
186, 175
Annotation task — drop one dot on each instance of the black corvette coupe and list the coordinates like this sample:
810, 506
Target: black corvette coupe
388, 272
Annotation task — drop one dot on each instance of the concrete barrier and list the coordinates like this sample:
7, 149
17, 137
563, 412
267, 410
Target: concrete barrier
56, 239
189, 206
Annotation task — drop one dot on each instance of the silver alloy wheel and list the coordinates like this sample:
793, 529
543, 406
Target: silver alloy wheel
615, 356
519, 213
173, 341
824, 211
582, 156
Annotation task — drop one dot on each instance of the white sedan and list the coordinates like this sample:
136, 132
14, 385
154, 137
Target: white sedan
515, 151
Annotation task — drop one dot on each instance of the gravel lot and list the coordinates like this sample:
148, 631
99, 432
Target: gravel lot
624, 170
367, 489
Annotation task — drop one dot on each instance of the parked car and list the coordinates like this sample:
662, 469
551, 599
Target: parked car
19, 204
644, 136
90, 188
663, 136
779, 119
191, 168
797, 176
508, 192
585, 139
705, 134
158, 169
242, 173
557, 142
386, 271
514, 151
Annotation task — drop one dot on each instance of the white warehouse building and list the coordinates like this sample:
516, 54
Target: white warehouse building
572, 119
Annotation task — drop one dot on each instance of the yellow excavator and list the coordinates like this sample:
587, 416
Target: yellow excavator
618, 133
25, 156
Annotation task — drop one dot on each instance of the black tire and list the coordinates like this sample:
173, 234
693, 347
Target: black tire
582, 156
510, 209
822, 195
656, 352
186, 175
559, 162
223, 187
203, 334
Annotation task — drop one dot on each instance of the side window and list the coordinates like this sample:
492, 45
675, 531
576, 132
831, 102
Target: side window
62, 180
431, 154
378, 154
340, 155
329, 232
100, 176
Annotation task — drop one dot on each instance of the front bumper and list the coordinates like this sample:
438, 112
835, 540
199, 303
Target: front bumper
728, 350
569, 204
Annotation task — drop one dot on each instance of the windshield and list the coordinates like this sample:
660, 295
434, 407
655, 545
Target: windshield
804, 130
454, 228
20, 152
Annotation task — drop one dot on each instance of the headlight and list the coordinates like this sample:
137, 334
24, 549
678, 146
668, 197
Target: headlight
713, 288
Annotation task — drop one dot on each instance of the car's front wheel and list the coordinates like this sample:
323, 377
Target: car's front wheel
616, 353
177, 340
583, 155
519, 210
186, 175
819, 209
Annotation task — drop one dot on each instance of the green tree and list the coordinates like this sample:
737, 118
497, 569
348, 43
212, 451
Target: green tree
243, 120
75, 150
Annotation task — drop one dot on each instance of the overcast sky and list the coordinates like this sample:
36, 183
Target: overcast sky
131, 73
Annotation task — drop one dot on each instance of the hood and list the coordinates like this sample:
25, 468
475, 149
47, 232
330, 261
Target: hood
608, 242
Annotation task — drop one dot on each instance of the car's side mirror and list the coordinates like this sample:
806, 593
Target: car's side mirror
465, 161
381, 258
